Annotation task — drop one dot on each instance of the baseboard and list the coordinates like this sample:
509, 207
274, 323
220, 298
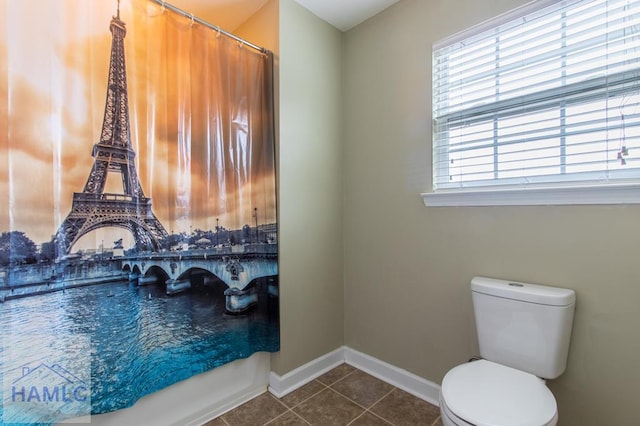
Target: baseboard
280, 386
209, 395
402, 379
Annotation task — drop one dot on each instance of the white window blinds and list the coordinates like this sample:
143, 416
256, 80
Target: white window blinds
550, 98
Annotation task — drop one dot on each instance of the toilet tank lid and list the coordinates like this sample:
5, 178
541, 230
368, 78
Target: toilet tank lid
531, 293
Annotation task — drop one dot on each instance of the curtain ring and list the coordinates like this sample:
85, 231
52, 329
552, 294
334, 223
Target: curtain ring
192, 20
219, 33
162, 6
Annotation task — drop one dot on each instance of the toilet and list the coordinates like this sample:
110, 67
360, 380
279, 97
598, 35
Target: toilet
523, 335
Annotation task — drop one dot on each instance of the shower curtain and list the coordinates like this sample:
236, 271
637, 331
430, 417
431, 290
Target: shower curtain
138, 228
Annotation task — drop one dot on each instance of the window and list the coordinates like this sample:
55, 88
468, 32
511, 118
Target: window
540, 106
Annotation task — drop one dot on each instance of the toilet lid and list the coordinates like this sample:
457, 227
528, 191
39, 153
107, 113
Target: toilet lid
485, 394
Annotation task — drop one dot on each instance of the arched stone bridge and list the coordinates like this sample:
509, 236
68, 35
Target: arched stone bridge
237, 266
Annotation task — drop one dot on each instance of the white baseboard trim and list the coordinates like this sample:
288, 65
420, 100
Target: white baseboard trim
402, 379
280, 386
424, 389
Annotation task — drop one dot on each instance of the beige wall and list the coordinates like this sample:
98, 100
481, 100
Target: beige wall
408, 267
310, 188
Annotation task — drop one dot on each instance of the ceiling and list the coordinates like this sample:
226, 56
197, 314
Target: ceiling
229, 14
345, 14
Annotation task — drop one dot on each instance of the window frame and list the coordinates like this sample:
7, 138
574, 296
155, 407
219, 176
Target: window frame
590, 193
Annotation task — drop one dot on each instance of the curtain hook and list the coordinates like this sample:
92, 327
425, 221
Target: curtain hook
162, 6
192, 20
218, 35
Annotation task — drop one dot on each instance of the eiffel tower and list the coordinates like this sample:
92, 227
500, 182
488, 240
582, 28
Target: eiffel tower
93, 208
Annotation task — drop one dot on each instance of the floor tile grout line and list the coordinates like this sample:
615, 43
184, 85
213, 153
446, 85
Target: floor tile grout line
300, 417
289, 409
357, 403
364, 409
381, 418
280, 401
340, 379
272, 396
348, 399
285, 412
356, 418
373, 414
266, 392
393, 388
367, 410
325, 387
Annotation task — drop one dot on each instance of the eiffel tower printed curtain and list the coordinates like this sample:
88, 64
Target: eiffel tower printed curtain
138, 229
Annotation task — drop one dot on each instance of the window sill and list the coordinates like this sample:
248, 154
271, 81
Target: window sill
576, 195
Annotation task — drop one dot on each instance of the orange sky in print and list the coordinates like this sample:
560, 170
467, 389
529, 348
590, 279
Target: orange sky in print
204, 149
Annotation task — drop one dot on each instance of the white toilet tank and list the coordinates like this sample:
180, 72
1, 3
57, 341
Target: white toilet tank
524, 326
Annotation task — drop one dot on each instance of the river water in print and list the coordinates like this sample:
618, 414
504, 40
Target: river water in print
141, 340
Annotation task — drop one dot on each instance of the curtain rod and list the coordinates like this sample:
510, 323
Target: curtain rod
206, 24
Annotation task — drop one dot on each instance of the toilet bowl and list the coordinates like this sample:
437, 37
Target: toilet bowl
484, 393
523, 336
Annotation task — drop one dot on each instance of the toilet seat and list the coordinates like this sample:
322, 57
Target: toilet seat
448, 418
484, 393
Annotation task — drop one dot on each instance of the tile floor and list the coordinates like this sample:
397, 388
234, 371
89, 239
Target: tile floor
343, 396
